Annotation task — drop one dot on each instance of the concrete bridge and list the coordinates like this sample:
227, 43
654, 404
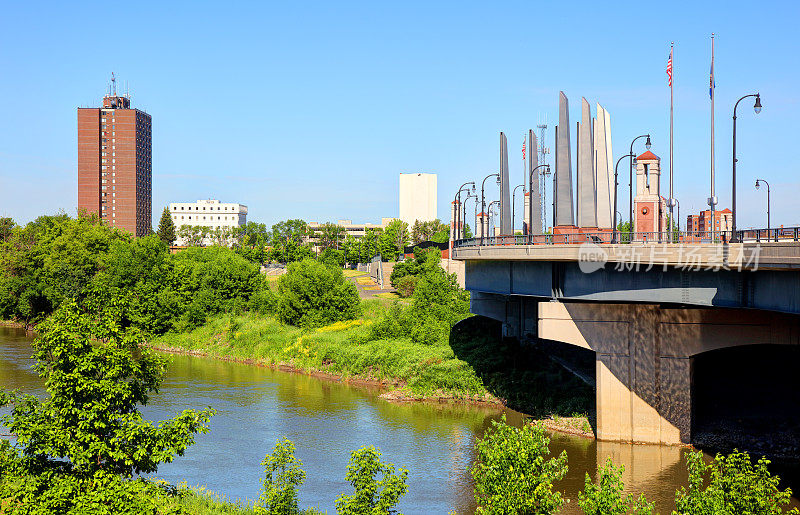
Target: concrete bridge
646, 310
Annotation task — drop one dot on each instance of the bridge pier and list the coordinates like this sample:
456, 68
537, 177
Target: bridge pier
644, 358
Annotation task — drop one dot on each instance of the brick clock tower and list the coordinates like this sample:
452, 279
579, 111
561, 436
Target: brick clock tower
649, 207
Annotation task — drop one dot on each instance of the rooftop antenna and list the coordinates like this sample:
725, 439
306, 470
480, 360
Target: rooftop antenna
543, 151
114, 83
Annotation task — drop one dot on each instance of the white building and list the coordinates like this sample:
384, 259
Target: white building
210, 213
417, 197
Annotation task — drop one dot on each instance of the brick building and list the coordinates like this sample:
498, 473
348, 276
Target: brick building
700, 225
115, 163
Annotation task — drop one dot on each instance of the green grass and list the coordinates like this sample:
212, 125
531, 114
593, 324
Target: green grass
341, 349
353, 273
388, 295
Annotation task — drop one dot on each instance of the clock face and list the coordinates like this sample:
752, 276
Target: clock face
645, 211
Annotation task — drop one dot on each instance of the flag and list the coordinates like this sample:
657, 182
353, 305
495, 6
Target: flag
523, 150
669, 69
711, 84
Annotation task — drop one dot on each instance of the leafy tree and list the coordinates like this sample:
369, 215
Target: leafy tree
332, 257
372, 496
330, 236
352, 249
7, 225
406, 284
192, 235
166, 229
425, 231
251, 241
393, 239
514, 473
312, 294
624, 232
605, 497
89, 433
731, 485
369, 245
292, 229
289, 241
283, 477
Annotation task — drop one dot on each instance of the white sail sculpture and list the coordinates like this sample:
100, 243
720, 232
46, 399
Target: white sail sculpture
604, 168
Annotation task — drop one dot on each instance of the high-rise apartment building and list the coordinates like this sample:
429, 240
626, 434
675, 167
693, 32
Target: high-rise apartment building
115, 163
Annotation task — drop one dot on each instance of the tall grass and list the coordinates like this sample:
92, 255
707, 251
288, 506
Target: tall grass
342, 349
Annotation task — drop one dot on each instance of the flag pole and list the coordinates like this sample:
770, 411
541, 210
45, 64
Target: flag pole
713, 200
671, 196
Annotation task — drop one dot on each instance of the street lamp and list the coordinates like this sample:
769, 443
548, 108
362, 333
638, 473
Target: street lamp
616, 186
758, 181
489, 213
514, 205
530, 203
630, 174
483, 199
679, 219
457, 214
464, 207
757, 109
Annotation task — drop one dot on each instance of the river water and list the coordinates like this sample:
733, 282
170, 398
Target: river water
327, 420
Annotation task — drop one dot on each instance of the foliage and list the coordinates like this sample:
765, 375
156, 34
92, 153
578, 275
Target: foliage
414, 266
624, 232
605, 497
166, 229
312, 294
351, 247
406, 284
332, 257
283, 477
6, 227
393, 240
369, 247
372, 496
193, 235
78, 447
425, 231
514, 473
730, 485
330, 236
251, 241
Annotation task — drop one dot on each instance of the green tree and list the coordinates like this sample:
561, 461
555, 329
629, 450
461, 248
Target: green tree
330, 236
7, 225
191, 235
393, 239
312, 294
251, 241
369, 245
166, 229
731, 485
97, 372
372, 496
283, 477
352, 249
605, 497
514, 473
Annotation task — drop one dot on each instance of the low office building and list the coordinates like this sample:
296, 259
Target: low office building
350, 229
210, 214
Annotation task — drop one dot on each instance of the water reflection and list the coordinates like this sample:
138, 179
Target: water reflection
326, 420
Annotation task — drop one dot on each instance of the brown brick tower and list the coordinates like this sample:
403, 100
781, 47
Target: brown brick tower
115, 163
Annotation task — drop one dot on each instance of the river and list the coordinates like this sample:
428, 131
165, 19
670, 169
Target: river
327, 420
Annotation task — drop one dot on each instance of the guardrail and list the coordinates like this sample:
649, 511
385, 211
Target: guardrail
605, 237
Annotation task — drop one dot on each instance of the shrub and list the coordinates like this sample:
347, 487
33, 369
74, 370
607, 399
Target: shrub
372, 496
405, 286
312, 295
514, 473
734, 486
605, 497
283, 476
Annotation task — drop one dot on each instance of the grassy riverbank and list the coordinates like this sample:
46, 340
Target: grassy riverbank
341, 350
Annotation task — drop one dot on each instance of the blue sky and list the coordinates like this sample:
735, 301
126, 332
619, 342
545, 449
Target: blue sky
310, 110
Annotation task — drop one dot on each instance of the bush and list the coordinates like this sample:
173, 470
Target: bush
372, 496
734, 486
405, 286
514, 473
283, 476
605, 497
312, 295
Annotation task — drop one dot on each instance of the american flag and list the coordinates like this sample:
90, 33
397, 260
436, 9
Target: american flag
669, 68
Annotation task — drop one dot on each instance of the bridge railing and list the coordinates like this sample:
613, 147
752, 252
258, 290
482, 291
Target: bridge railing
577, 237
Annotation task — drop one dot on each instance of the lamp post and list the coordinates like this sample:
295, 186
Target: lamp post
530, 188
483, 199
457, 213
630, 174
677, 203
514, 205
757, 109
757, 184
489, 213
464, 207
616, 186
